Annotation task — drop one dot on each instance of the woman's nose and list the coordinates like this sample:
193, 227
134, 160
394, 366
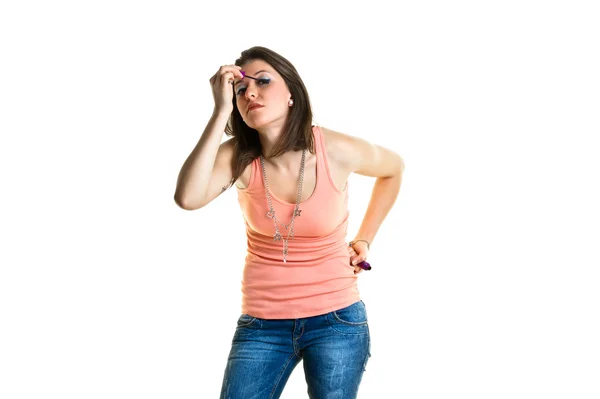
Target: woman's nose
250, 91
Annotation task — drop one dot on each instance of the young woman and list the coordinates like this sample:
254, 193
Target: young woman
300, 298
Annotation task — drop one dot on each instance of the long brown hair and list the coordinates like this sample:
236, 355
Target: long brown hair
297, 131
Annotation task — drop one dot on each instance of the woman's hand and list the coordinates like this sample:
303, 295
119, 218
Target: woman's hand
222, 87
358, 253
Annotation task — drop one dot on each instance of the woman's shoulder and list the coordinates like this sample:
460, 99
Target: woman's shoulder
333, 139
337, 138
340, 146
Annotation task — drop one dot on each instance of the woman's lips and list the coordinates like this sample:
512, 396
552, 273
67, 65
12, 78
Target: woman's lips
254, 107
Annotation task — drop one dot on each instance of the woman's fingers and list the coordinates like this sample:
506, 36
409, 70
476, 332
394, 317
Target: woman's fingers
227, 71
230, 72
354, 258
221, 83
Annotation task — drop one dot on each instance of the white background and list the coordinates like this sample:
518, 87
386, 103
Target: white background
485, 273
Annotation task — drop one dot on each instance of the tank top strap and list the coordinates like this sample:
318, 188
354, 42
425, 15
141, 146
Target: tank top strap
322, 164
255, 175
323, 171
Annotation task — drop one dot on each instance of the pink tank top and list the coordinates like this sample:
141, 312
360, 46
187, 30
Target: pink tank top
317, 277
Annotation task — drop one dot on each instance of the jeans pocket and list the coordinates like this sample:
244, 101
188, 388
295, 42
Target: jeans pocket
350, 320
247, 324
245, 320
355, 314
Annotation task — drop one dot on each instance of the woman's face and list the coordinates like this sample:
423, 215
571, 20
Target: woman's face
270, 91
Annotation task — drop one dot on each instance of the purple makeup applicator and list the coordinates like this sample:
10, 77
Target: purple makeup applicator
364, 265
249, 77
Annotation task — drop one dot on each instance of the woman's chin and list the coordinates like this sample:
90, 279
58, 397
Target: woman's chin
256, 123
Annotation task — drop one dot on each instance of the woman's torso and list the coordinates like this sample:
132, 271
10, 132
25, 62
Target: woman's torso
317, 277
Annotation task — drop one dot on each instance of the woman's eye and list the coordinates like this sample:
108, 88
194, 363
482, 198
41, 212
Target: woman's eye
259, 81
264, 81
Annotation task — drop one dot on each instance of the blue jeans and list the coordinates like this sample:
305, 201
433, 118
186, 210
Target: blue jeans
334, 347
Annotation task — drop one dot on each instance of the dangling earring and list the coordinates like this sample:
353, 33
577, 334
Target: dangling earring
291, 102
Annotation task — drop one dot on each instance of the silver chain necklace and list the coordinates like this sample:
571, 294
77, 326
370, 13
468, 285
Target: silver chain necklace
297, 210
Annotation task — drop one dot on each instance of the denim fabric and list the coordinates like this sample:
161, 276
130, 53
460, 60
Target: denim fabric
334, 348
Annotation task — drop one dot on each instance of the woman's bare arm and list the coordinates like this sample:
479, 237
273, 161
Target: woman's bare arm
356, 155
207, 169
